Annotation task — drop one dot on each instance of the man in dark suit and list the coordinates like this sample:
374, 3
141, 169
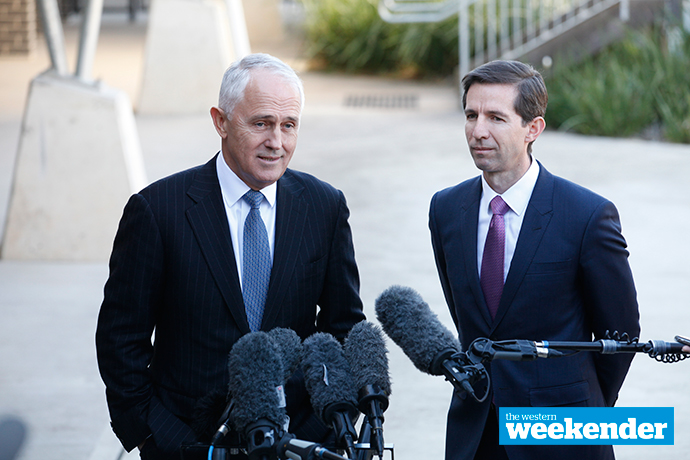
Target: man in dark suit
523, 254
179, 267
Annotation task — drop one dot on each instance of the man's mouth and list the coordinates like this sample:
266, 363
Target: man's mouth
481, 149
269, 159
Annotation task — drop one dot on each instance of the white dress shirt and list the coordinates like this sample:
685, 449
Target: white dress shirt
517, 198
237, 209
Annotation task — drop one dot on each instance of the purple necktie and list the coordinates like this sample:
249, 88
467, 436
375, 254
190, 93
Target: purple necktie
491, 277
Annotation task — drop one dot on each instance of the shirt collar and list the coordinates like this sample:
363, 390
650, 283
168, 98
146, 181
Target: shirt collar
517, 196
234, 189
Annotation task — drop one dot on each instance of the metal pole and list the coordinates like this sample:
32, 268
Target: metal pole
238, 28
624, 11
463, 39
90, 26
55, 37
686, 15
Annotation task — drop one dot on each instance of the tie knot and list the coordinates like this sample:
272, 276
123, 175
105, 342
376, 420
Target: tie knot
498, 206
253, 198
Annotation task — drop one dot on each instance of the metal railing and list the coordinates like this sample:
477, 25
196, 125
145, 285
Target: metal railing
500, 29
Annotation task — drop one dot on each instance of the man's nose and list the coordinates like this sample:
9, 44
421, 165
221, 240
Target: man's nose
274, 139
480, 129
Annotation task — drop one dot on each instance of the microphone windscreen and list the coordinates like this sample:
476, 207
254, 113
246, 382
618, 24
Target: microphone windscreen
327, 374
411, 324
366, 352
255, 374
207, 414
290, 348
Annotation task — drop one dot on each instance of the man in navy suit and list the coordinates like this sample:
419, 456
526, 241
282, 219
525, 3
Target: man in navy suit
177, 260
561, 269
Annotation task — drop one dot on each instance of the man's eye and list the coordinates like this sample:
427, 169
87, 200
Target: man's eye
471, 116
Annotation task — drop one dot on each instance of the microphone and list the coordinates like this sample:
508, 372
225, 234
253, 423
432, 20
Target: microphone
365, 351
256, 383
12, 436
225, 425
296, 449
290, 347
411, 324
330, 384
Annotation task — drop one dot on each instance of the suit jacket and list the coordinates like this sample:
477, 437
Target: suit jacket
569, 280
173, 269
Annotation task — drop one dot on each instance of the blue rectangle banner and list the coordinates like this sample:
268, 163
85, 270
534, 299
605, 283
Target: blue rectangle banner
586, 425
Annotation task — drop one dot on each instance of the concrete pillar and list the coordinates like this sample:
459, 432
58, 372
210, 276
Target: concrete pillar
79, 159
188, 47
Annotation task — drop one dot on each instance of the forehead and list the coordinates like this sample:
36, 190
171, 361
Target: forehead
269, 90
491, 97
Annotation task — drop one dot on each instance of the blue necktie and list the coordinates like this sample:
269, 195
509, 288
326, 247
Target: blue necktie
256, 267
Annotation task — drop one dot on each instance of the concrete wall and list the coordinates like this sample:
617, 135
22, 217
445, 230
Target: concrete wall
17, 27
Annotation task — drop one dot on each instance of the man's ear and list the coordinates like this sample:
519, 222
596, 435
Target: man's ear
218, 117
535, 128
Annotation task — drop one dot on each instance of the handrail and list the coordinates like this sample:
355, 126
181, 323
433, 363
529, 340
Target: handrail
501, 29
416, 11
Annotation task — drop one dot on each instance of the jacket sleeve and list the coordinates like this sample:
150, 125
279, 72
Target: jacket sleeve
440, 258
127, 319
609, 293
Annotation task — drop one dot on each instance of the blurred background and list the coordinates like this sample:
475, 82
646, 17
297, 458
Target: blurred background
99, 99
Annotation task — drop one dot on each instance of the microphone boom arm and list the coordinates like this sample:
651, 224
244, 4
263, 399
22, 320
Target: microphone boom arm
464, 369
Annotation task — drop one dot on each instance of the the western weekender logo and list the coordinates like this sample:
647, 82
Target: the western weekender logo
586, 425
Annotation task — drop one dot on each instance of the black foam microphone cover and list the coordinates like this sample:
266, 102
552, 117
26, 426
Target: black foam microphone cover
366, 352
327, 375
290, 348
256, 374
208, 414
409, 322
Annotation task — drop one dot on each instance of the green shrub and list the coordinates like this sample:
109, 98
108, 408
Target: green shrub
642, 81
625, 88
349, 35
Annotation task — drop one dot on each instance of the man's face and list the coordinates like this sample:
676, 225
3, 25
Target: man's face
260, 137
495, 132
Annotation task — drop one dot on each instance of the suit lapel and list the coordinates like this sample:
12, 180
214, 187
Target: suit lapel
291, 214
210, 226
468, 232
537, 217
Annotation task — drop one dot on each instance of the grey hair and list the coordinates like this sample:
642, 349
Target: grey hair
237, 76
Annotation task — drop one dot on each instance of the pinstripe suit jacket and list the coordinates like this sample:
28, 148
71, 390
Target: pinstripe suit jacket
569, 279
173, 269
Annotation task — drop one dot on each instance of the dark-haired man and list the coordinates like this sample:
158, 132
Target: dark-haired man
523, 254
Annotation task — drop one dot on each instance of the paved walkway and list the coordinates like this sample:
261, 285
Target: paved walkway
388, 163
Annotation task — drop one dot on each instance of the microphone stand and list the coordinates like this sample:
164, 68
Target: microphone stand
368, 446
464, 369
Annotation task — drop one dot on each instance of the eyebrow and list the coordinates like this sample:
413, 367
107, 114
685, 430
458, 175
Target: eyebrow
272, 118
497, 113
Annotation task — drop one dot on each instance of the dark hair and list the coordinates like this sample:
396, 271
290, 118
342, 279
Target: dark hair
532, 96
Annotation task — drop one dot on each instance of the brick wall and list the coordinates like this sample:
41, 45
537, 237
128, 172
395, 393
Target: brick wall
17, 27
